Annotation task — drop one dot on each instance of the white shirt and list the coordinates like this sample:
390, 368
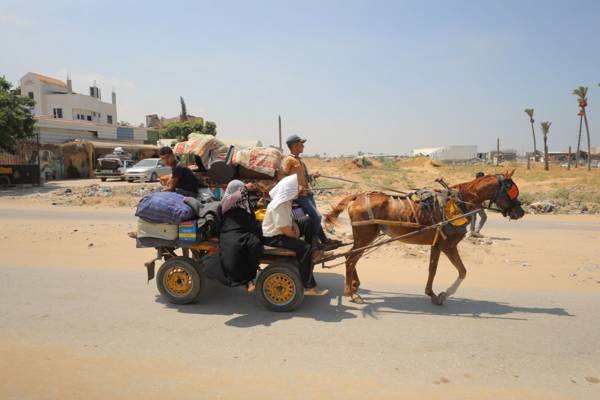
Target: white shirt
276, 218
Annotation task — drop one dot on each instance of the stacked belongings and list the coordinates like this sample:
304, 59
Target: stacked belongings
203, 146
258, 162
167, 219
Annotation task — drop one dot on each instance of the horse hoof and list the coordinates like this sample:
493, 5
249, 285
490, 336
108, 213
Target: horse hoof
437, 300
442, 298
356, 299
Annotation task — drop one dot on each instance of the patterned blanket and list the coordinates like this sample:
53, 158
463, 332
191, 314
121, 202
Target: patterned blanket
265, 160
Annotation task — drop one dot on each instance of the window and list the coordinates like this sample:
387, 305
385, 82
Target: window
109, 119
30, 94
57, 112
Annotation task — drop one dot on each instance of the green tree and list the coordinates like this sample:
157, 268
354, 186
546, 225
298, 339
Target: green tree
581, 93
529, 112
181, 130
545, 129
210, 128
16, 121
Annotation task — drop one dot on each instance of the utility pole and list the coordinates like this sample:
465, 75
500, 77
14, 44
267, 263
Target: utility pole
280, 144
498, 151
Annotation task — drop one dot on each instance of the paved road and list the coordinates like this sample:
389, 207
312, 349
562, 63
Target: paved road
537, 344
97, 334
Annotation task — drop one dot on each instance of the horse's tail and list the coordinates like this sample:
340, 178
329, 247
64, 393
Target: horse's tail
337, 210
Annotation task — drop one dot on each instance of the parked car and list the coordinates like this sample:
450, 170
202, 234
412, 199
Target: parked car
112, 168
148, 170
113, 165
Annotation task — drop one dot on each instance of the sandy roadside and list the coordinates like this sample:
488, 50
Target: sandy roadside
538, 252
147, 350
47, 371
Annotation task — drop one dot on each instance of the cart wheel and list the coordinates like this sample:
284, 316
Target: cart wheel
4, 181
179, 280
279, 288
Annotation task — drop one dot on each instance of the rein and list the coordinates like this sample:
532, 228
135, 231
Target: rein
396, 238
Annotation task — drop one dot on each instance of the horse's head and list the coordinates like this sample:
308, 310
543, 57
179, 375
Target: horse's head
506, 196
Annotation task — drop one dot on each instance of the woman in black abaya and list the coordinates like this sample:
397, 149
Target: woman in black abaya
240, 247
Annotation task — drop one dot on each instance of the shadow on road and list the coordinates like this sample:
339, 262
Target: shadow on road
247, 312
404, 303
217, 299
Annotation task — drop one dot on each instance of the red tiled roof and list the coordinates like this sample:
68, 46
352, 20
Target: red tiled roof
47, 79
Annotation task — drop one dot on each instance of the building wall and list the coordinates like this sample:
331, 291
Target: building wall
31, 83
75, 101
54, 130
449, 153
50, 93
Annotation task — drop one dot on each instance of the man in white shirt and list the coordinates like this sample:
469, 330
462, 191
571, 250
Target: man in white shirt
279, 230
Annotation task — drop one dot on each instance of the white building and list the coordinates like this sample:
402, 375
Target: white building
56, 98
448, 153
62, 115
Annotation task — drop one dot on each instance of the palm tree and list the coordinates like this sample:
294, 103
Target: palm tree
545, 129
529, 111
581, 93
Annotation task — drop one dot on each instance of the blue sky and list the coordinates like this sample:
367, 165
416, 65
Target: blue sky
380, 76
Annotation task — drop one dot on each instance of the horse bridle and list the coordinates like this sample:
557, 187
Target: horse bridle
507, 191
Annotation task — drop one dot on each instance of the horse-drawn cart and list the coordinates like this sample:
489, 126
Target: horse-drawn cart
181, 278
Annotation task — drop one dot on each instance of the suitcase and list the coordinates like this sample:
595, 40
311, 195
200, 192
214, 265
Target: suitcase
159, 231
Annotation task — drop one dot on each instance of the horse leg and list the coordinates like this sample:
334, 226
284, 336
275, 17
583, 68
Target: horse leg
363, 236
434, 257
352, 283
355, 280
452, 254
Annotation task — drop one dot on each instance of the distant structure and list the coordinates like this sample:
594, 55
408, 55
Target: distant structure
183, 116
56, 98
62, 115
154, 121
504, 155
448, 153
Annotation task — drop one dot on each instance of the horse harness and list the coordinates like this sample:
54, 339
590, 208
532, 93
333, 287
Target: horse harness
445, 203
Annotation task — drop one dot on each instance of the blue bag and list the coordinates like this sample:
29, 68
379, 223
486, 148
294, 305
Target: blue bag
164, 207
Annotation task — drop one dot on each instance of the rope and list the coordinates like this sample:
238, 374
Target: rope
396, 238
365, 184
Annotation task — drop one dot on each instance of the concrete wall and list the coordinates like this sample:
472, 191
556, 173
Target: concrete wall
31, 83
54, 130
46, 98
75, 101
448, 153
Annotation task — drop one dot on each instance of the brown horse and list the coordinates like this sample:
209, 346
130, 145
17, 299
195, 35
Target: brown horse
371, 212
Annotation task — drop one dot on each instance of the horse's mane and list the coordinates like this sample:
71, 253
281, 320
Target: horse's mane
473, 187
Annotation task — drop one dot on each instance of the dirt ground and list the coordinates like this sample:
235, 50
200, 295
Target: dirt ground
77, 319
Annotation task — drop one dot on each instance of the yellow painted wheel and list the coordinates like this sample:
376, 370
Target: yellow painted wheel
178, 281
279, 289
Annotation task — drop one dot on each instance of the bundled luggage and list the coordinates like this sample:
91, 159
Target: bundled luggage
262, 160
166, 219
164, 208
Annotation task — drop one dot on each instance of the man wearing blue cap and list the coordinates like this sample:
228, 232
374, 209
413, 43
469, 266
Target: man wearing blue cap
293, 164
